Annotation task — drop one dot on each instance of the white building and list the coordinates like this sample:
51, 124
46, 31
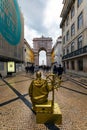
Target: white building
58, 51
74, 36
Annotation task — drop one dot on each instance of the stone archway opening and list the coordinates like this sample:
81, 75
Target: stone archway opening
42, 58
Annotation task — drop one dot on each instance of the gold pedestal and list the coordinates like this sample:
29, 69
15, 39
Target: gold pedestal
46, 116
44, 108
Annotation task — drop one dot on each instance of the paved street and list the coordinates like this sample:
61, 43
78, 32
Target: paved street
16, 113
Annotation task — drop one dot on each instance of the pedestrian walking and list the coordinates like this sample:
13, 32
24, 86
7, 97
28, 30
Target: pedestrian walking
60, 71
0, 75
54, 69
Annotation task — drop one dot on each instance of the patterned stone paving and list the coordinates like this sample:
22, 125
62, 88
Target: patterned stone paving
16, 113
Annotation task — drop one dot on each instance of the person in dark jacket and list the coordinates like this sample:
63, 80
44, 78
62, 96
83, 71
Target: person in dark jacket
60, 71
54, 69
0, 76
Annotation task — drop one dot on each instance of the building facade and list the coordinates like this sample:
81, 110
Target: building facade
74, 36
28, 54
58, 51
11, 35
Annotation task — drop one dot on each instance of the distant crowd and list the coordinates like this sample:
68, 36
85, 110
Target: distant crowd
56, 69
36, 68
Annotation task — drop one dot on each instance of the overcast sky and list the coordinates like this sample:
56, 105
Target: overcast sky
41, 17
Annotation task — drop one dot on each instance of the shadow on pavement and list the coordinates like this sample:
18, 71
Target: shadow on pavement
52, 127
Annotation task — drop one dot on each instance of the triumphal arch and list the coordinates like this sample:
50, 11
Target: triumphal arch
42, 43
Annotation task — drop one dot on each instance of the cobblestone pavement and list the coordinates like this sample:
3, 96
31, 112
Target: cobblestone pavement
16, 113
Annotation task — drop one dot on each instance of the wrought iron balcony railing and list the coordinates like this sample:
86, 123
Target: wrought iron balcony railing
76, 53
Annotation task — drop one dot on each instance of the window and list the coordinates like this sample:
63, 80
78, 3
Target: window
80, 64
72, 29
67, 20
64, 51
67, 36
79, 2
63, 27
80, 42
64, 40
67, 64
72, 46
80, 20
73, 65
68, 50
72, 12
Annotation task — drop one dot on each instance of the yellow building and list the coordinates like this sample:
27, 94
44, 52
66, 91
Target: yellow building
52, 56
28, 54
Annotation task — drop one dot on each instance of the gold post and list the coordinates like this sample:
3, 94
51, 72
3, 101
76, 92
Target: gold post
52, 92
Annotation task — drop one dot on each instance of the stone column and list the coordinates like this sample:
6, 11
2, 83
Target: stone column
76, 65
70, 65
36, 59
48, 58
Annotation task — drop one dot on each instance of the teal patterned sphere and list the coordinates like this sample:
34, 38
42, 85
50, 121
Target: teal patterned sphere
10, 21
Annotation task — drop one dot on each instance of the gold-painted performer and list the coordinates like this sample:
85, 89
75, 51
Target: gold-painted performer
46, 110
39, 89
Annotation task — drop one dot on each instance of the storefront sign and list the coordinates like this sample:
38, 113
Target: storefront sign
11, 67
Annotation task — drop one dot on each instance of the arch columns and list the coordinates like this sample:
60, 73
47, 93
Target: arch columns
48, 58
36, 57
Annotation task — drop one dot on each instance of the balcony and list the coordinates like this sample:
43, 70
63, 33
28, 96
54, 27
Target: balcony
76, 53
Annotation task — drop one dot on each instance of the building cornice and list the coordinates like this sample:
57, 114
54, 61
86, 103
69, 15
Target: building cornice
65, 11
42, 39
27, 44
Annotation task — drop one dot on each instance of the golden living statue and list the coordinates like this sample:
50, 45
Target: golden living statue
46, 110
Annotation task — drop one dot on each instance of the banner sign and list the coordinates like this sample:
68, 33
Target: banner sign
10, 22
